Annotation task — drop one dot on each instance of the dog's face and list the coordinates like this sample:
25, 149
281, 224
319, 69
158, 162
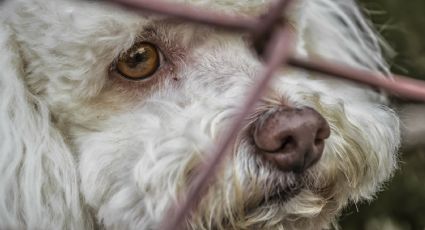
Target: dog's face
139, 99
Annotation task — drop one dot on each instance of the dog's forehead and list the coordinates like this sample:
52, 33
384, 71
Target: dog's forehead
238, 7
83, 18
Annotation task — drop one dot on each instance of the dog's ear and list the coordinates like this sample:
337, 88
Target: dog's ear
38, 177
338, 31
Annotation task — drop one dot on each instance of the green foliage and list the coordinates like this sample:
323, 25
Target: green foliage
402, 24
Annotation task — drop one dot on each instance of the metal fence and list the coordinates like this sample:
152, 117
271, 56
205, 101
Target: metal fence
272, 41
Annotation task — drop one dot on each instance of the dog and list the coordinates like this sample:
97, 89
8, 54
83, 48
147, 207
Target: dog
106, 116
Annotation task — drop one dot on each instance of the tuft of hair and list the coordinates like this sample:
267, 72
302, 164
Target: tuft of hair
39, 180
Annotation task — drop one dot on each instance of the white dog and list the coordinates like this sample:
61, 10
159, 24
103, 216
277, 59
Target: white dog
106, 114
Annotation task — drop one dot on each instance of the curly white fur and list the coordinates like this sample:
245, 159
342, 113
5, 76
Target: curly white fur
82, 148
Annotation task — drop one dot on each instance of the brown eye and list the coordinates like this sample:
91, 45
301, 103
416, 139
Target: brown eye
139, 62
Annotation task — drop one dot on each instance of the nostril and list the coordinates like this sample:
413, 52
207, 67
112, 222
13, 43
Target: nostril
288, 143
271, 137
319, 141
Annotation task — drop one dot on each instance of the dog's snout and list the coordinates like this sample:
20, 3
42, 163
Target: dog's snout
291, 138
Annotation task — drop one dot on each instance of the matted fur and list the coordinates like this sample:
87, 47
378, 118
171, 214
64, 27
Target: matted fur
81, 147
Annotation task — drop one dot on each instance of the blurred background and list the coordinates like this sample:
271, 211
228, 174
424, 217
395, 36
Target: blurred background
402, 205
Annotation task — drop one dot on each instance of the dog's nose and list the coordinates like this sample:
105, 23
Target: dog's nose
291, 138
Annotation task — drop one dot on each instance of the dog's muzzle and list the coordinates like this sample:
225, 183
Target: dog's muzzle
293, 139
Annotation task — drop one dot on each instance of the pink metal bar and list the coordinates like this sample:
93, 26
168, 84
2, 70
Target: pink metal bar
397, 85
268, 24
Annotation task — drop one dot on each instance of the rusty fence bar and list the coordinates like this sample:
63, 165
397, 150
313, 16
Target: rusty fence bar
399, 86
273, 41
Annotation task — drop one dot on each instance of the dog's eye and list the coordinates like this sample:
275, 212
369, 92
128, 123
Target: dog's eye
139, 62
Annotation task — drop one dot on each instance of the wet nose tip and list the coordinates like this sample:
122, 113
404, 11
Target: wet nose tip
291, 138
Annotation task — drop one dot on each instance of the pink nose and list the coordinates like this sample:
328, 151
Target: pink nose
291, 138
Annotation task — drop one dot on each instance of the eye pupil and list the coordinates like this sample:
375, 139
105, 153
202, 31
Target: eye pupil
141, 54
140, 62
